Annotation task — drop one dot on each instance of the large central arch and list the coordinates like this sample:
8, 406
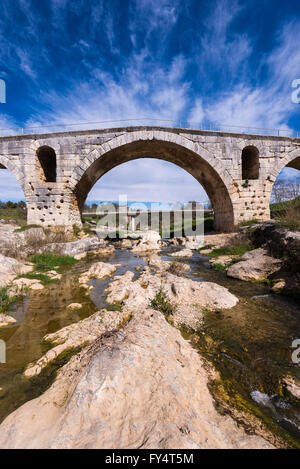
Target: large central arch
174, 148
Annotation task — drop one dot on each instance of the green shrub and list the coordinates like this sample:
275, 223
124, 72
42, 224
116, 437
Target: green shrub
161, 302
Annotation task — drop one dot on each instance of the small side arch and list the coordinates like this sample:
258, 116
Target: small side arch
46, 162
250, 162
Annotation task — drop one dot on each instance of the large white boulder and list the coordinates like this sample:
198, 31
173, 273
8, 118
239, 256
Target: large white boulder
141, 387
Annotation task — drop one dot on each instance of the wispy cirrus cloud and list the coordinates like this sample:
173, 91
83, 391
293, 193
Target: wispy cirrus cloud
203, 61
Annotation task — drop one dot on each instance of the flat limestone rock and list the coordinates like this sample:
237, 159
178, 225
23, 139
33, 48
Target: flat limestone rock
182, 253
76, 335
255, 265
189, 297
98, 270
20, 283
142, 387
76, 248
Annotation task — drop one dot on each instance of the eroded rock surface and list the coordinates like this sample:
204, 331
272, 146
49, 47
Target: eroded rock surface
11, 268
255, 265
76, 335
150, 241
182, 253
79, 248
141, 387
20, 284
189, 297
98, 270
177, 268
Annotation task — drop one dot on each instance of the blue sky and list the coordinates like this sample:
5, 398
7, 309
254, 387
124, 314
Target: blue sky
220, 61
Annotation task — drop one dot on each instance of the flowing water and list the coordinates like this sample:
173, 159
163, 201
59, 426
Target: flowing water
249, 345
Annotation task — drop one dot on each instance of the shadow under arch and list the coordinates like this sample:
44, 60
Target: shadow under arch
183, 157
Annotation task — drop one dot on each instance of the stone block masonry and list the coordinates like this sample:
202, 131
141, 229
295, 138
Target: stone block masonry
57, 170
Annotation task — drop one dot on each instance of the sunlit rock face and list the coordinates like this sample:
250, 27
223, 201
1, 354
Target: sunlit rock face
143, 386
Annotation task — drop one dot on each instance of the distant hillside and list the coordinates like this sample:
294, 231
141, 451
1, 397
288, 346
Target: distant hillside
280, 207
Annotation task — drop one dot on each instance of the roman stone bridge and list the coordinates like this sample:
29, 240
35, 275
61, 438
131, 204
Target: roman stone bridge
57, 170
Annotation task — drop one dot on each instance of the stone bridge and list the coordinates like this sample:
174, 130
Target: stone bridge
57, 170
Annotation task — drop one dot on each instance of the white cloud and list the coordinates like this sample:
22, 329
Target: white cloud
197, 114
148, 180
143, 89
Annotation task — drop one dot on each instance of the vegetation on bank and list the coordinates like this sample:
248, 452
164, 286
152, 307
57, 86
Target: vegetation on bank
232, 250
287, 214
46, 262
44, 278
254, 221
221, 267
14, 211
25, 228
6, 300
162, 303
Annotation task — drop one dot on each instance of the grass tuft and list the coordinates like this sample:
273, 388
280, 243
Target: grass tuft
5, 300
220, 267
236, 250
39, 276
249, 222
45, 262
162, 303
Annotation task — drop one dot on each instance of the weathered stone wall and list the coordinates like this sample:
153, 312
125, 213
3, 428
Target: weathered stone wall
82, 157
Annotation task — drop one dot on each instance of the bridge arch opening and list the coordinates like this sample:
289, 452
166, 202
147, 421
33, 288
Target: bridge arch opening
250, 163
287, 188
47, 167
12, 197
186, 159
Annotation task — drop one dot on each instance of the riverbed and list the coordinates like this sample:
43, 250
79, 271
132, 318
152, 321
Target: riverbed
249, 345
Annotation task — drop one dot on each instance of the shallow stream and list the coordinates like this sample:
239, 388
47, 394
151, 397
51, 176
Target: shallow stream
249, 345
